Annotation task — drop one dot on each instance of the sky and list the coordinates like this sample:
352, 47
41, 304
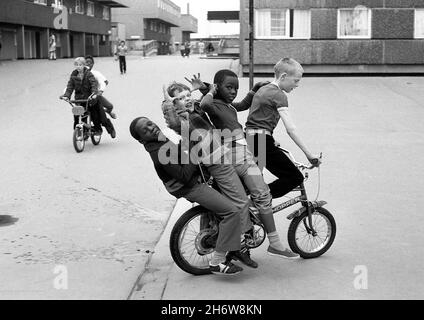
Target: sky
199, 9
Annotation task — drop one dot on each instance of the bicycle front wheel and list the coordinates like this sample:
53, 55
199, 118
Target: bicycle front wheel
78, 140
301, 239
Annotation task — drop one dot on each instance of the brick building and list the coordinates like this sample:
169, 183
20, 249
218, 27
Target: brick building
335, 35
81, 27
148, 21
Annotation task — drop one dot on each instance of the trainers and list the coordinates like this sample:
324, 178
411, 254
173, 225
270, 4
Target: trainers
113, 115
243, 256
225, 268
287, 254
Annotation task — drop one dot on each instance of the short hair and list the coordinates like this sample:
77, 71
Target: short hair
133, 126
221, 74
176, 86
286, 65
89, 58
80, 60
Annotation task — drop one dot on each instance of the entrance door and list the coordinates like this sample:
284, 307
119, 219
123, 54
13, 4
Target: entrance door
71, 41
37, 45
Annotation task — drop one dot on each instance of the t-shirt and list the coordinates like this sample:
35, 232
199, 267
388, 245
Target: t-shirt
268, 101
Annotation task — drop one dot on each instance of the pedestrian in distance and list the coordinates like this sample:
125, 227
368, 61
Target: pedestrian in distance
187, 49
121, 52
182, 49
52, 47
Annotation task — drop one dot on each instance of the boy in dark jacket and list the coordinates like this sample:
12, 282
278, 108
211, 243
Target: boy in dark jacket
183, 180
84, 84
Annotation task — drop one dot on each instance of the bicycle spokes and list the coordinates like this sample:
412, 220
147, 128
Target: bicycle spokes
313, 236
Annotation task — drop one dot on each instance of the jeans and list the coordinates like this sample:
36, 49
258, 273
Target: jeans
229, 227
280, 165
105, 103
248, 171
230, 185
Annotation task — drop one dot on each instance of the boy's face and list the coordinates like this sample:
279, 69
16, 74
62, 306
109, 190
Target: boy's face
147, 130
79, 66
228, 89
183, 100
290, 81
89, 63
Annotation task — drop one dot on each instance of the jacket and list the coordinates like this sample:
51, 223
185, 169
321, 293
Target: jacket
83, 88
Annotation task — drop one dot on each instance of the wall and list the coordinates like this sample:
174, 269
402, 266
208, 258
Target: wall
392, 35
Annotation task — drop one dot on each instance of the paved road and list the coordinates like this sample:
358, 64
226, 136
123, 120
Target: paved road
85, 222
370, 131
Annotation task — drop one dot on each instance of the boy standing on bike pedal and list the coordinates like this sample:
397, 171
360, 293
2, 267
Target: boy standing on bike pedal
269, 105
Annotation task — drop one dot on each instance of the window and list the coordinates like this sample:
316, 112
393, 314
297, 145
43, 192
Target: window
106, 13
79, 7
283, 24
44, 2
57, 4
90, 8
419, 23
354, 23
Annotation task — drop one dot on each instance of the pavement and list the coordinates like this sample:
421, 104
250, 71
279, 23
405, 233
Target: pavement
96, 225
80, 226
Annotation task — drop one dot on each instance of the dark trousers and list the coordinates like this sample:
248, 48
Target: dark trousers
105, 103
279, 164
122, 64
229, 227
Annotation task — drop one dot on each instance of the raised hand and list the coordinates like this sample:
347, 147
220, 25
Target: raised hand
196, 83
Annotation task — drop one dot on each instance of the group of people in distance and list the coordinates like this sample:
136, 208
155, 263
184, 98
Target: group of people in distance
212, 136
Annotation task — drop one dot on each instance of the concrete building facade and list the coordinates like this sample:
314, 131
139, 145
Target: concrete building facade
335, 35
148, 21
81, 27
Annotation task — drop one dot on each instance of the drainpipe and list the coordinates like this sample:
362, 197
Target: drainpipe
251, 25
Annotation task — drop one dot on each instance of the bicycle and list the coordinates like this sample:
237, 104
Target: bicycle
84, 128
194, 235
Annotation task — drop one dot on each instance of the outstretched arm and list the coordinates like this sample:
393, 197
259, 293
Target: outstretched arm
247, 101
294, 135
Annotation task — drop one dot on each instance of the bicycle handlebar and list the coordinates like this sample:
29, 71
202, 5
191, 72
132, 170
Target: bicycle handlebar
301, 165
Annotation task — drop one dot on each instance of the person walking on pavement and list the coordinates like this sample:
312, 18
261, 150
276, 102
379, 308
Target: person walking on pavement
121, 52
52, 47
182, 49
187, 49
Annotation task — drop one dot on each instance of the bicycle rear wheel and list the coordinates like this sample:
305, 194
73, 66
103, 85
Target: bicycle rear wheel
302, 241
193, 240
78, 140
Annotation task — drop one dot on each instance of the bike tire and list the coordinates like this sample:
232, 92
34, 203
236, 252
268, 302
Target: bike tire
78, 140
175, 245
297, 222
95, 139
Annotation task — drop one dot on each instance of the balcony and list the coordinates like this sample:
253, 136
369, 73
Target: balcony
164, 10
188, 23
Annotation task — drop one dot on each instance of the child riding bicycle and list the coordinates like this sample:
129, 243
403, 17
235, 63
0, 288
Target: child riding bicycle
268, 106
